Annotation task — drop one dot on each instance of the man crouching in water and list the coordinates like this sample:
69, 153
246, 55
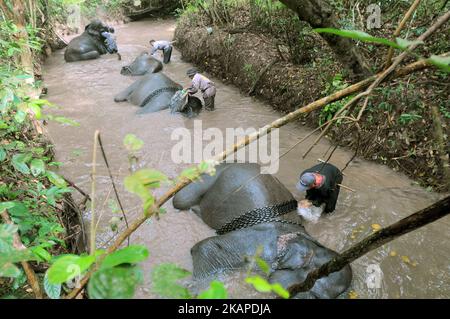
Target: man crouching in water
205, 85
321, 183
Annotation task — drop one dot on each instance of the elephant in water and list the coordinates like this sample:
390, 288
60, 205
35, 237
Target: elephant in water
251, 210
153, 92
143, 64
91, 43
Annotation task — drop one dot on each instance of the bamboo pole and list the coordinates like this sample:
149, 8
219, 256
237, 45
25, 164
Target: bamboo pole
399, 29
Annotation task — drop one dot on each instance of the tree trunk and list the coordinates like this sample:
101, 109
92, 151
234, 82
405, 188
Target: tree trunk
319, 14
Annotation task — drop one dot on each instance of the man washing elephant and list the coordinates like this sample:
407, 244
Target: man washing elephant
322, 184
93, 42
164, 46
205, 85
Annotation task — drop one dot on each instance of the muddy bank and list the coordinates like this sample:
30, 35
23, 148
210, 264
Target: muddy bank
395, 131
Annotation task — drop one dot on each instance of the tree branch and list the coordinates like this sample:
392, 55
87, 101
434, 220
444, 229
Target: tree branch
385, 235
399, 29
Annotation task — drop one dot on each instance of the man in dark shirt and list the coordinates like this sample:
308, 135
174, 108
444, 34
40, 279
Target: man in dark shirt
321, 183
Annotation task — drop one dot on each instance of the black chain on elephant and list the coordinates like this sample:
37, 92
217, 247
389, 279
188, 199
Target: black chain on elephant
158, 92
258, 216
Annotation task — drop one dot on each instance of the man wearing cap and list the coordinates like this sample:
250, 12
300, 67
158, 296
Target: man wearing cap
205, 85
321, 183
165, 46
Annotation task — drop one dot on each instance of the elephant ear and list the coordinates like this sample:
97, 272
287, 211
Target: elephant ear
92, 31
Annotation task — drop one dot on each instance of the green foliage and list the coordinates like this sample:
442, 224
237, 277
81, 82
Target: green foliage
129, 255
132, 143
140, 183
164, 281
216, 290
328, 112
115, 283
53, 291
67, 267
358, 35
262, 285
8, 254
407, 118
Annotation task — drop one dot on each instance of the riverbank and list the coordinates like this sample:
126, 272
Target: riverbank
398, 130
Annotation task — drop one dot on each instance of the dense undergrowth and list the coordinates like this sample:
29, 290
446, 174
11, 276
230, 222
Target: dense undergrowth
406, 125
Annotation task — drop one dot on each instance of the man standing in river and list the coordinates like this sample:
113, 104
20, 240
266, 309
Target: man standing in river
165, 46
205, 85
321, 183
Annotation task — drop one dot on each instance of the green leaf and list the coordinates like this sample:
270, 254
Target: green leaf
2, 154
139, 182
13, 255
132, 143
216, 290
41, 253
56, 180
67, 267
114, 283
358, 35
190, 173
37, 166
405, 44
164, 279
19, 163
6, 205
36, 110
52, 290
128, 255
9, 270
259, 283
263, 265
20, 116
207, 167
280, 291
441, 62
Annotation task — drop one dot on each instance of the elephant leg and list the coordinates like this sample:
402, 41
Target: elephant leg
125, 94
89, 55
192, 194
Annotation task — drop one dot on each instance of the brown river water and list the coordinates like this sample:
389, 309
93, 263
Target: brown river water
416, 265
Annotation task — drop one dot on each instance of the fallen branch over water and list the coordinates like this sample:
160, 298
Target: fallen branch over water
381, 237
410, 68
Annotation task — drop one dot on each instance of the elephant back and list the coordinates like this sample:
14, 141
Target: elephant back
151, 86
241, 188
143, 64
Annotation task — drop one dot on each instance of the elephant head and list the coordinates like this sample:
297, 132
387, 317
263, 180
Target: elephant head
143, 64
289, 251
96, 28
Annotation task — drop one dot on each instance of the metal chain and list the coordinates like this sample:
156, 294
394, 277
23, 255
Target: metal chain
258, 216
157, 92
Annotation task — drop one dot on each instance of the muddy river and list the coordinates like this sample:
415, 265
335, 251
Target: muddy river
416, 265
